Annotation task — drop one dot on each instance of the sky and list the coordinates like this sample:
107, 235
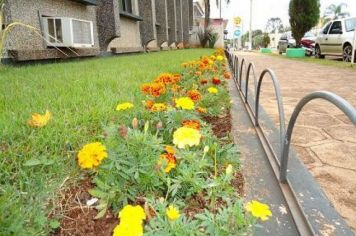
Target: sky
265, 9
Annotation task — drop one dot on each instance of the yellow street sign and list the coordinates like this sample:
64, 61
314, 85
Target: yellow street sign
237, 21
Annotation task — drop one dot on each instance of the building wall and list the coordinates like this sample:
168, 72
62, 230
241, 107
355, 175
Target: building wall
108, 21
130, 37
179, 21
161, 20
172, 31
185, 22
26, 44
146, 26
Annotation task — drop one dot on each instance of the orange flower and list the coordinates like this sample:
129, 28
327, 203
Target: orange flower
170, 159
201, 110
153, 89
216, 81
185, 64
167, 78
194, 95
198, 73
227, 75
149, 104
194, 124
170, 150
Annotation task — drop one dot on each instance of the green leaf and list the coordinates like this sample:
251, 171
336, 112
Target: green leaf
101, 213
97, 193
33, 162
54, 224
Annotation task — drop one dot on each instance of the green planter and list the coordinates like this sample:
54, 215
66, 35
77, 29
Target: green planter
295, 52
266, 50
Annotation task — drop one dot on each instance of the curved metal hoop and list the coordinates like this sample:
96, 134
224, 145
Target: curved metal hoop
277, 92
338, 101
242, 66
251, 67
236, 69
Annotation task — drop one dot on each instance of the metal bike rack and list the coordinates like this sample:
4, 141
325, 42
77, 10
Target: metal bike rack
279, 162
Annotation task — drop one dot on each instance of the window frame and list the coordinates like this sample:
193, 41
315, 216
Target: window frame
332, 27
327, 28
124, 4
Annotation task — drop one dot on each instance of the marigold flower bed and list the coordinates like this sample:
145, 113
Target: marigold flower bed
162, 170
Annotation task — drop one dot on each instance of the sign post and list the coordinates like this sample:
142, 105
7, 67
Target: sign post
353, 49
237, 32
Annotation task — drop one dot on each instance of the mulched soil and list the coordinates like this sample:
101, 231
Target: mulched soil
221, 124
79, 219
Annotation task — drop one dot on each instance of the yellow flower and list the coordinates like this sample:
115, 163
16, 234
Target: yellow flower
158, 107
259, 210
131, 218
124, 106
38, 120
91, 155
229, 169
132, 213
185, 103
172, 213
127, 229
213, 90
219, 58
185, 136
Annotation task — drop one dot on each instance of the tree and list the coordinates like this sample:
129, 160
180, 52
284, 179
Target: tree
274, 25
266, 40
336, 10
304, 15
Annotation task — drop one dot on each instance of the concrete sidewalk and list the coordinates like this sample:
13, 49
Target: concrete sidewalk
324, 138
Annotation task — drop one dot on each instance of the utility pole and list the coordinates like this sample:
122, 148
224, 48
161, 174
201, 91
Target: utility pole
220, 8
250, 35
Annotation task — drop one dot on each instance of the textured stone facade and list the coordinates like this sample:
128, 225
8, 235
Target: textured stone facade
185, 22
172, 30
161, 22
108, 21
147, 25
179, 28
22, 41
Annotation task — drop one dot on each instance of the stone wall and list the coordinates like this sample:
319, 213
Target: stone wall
185, 22
146, 26
179, 21
172, 31
161, 21
29, 12
108, 21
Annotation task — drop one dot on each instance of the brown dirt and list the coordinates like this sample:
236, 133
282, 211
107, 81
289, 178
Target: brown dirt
238, 183
80, 219
221, 125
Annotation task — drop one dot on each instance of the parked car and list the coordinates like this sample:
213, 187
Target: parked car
308, 43
336, 39
286, 41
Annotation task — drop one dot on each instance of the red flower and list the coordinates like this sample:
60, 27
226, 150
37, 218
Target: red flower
216, 81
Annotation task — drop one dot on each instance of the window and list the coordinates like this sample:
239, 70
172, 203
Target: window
350, 24
126, 6
326, 28
55, 30
336, 28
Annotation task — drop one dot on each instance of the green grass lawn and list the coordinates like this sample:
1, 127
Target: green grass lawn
82, 96
326, 62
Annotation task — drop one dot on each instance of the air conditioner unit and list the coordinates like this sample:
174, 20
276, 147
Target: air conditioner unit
68, 32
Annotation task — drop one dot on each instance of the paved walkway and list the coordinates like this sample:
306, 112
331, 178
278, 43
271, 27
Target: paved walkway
323, 137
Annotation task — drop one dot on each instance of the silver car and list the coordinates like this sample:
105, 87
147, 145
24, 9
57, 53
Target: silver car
286, 41
336, 39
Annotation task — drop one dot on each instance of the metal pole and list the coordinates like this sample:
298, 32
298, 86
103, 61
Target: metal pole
353, 49
250, 36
